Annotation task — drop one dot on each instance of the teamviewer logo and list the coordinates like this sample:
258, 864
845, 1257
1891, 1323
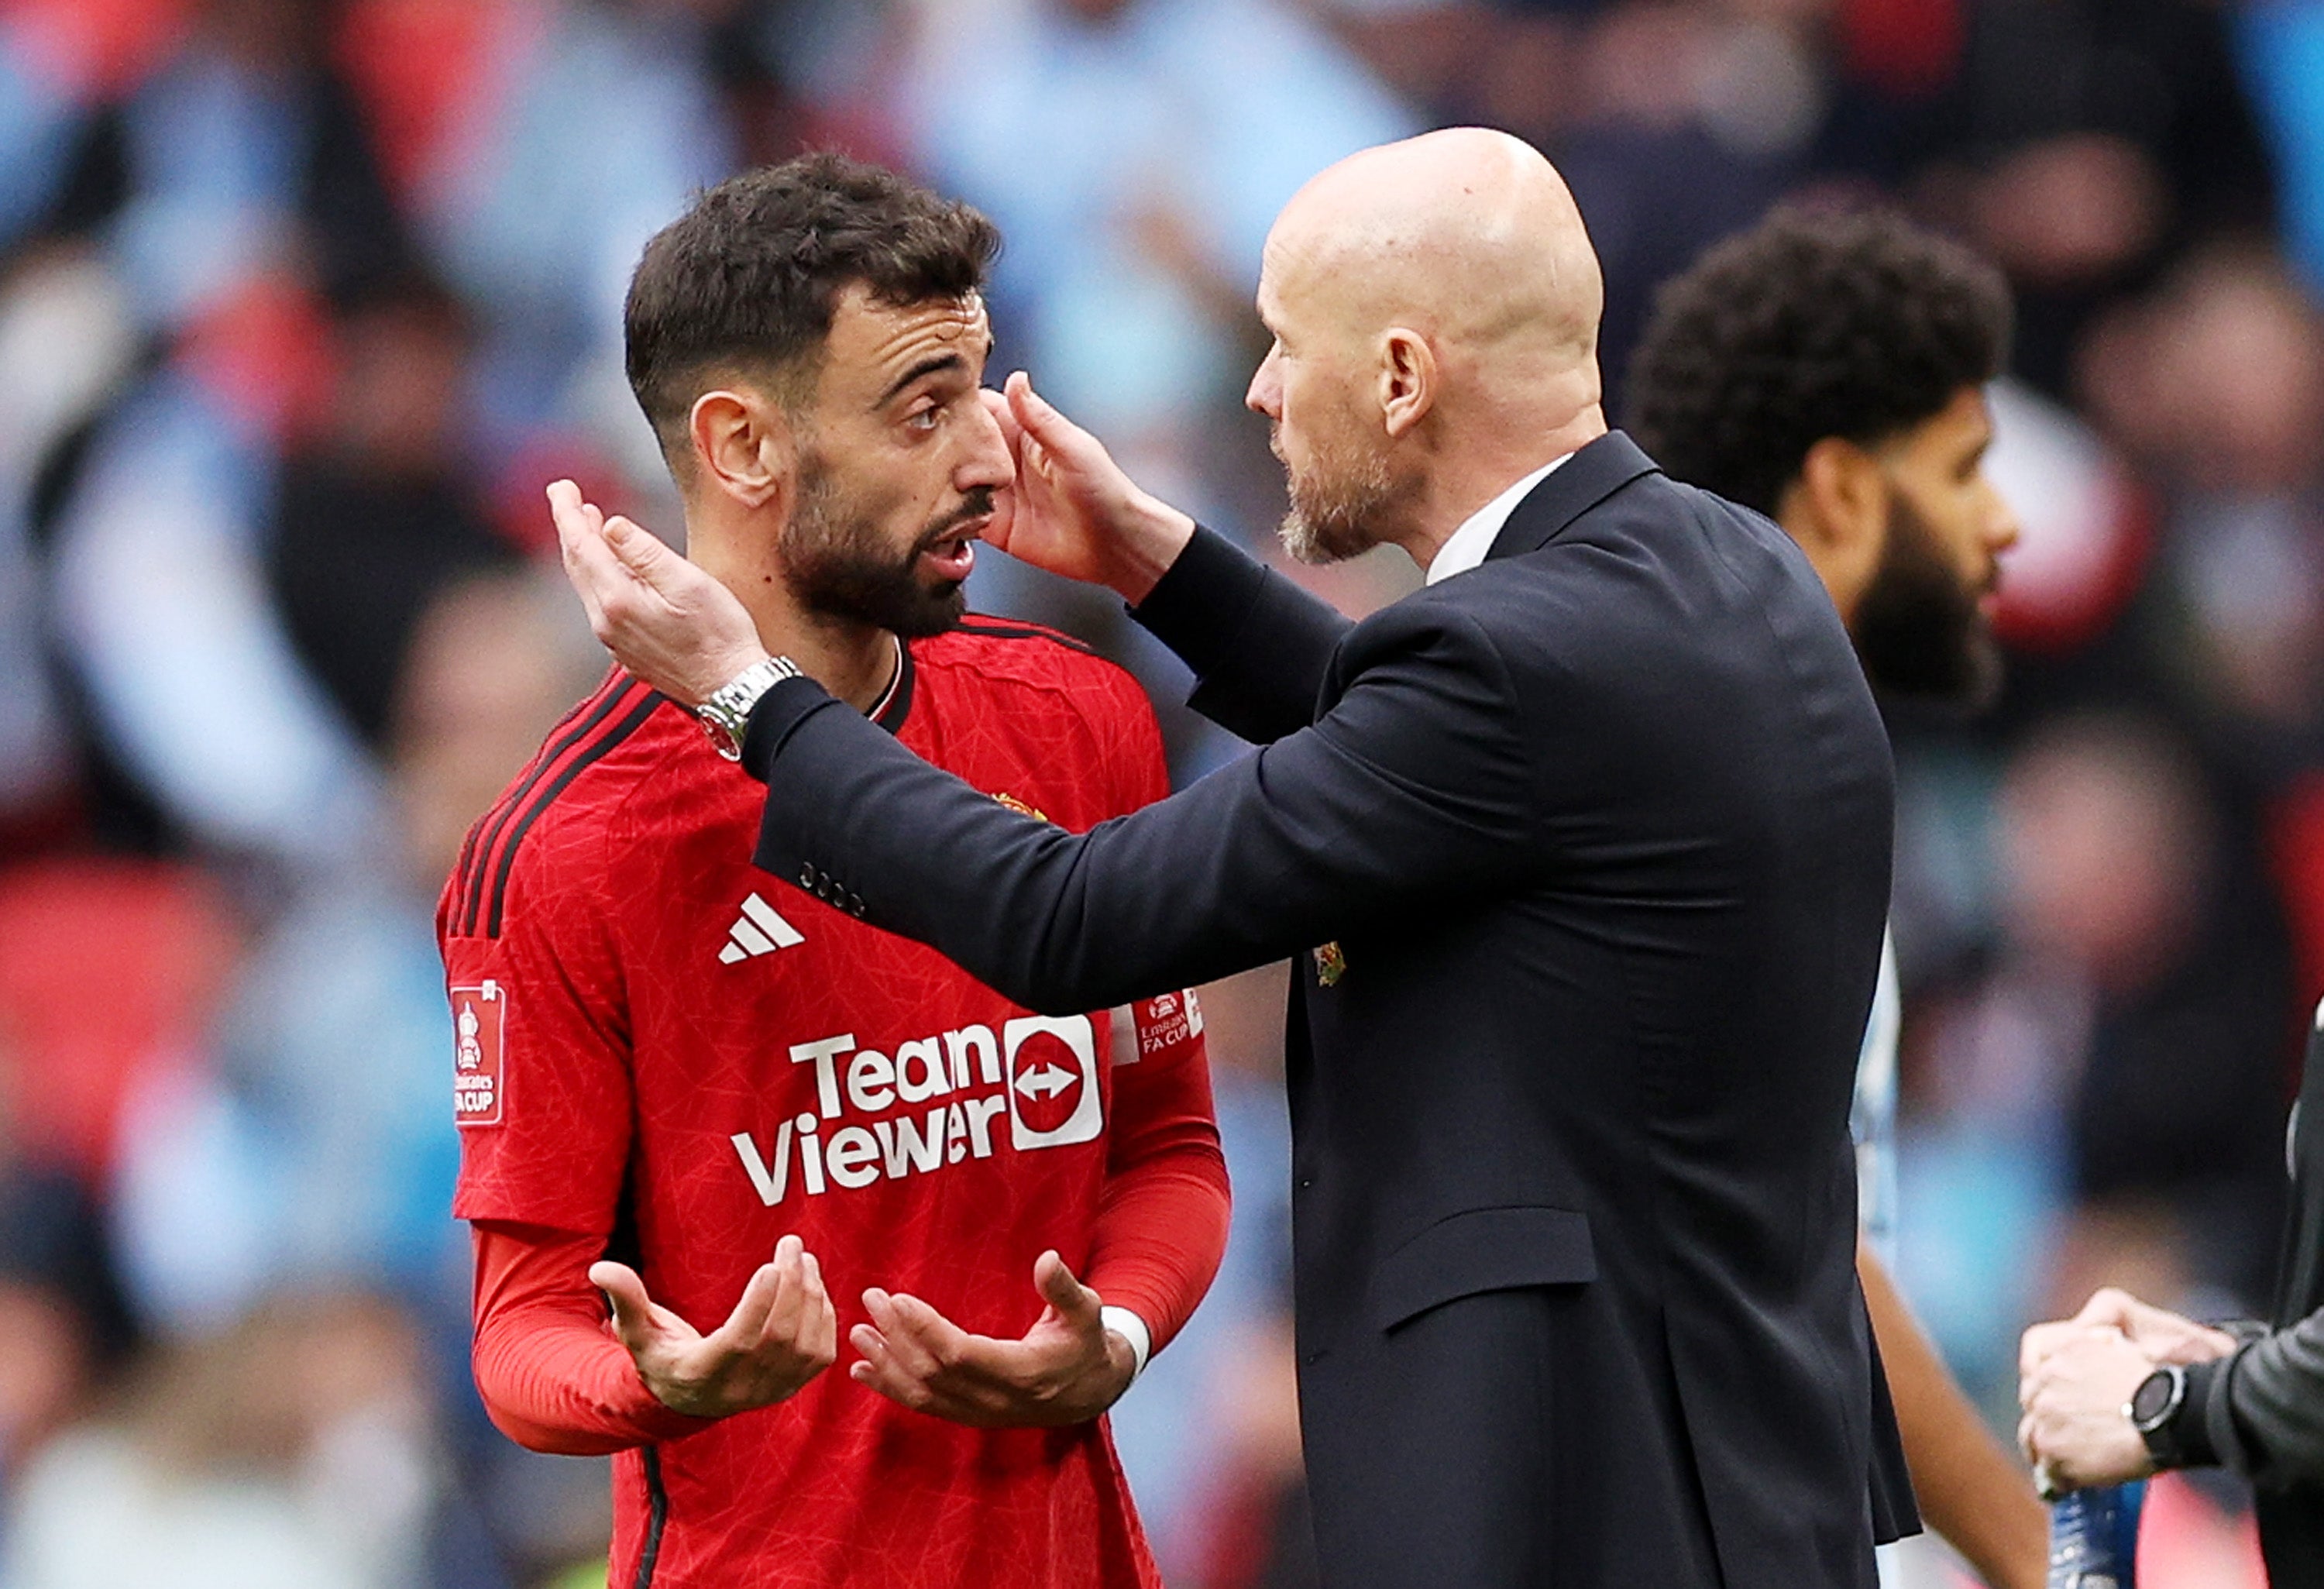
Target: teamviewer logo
1053, 1092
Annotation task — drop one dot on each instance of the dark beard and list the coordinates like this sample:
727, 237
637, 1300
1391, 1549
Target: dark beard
1918, 629
1339, 507
836, 564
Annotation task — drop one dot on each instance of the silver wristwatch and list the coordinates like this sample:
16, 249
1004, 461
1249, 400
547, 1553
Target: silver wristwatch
727, 713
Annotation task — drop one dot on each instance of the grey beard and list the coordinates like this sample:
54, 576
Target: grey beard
1337, 517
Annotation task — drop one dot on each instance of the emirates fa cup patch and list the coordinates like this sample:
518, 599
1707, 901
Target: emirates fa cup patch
479, 1020
1166, 1023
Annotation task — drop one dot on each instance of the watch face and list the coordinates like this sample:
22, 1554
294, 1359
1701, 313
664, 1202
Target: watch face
2152, 1398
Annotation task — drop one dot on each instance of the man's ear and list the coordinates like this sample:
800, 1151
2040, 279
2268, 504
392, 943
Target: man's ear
1837, 509
1407, 380
743, 445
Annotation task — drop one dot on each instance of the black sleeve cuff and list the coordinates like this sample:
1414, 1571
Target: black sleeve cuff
776, 713
1202, 599
2189, 1431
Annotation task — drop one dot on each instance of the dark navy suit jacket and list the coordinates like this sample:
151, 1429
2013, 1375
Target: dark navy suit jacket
1597, 834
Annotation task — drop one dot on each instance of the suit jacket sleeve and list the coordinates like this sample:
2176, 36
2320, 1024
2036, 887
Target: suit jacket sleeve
1259, 645
1415, 788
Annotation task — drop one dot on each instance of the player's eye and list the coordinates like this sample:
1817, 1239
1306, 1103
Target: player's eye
923, 416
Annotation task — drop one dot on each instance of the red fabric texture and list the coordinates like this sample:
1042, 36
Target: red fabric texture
1162, 1218
553, 1376
661, 1041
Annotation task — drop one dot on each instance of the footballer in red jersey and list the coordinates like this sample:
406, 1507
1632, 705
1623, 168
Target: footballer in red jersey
717, 1097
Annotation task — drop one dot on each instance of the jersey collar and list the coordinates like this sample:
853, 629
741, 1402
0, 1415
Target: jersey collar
895, 702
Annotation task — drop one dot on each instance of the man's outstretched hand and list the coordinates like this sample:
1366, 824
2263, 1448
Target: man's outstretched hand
1072, 510
1067, 1369
782, 1334
664, 619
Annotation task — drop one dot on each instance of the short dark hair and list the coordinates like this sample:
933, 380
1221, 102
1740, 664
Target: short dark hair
746, 280
1857, 325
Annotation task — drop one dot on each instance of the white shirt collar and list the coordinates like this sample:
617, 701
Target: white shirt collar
1475, 537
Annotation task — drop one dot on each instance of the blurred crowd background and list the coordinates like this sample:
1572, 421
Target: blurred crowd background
301, 301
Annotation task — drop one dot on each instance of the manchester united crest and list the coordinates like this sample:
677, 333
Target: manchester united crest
1020, 808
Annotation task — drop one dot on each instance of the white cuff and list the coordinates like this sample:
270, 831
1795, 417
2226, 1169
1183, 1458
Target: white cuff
1132, 1329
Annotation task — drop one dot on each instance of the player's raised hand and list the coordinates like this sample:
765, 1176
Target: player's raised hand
1067, 1369
1073, 510
782, 1334
663, 618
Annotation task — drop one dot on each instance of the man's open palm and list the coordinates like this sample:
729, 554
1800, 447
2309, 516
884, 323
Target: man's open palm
1067, 1369
782, 1334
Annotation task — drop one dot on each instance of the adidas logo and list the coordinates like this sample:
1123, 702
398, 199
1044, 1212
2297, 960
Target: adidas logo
758, 930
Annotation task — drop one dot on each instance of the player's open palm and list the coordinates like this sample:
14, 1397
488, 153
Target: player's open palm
1067, 1369
782, 1334
1073, 510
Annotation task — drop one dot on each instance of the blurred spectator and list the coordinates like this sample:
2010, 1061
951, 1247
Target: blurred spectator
2081, 143
243, 152
2136, 1004
1675, 124
62, 1311
2112, 885
66, 339
61, 62
1692, 121
294, 1450
540, 145
324, 1151
162, 608
317, 496
2217, 381
373, 516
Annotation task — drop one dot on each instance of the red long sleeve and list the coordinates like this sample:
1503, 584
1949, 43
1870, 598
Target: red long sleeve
551, 1374
1162, 1218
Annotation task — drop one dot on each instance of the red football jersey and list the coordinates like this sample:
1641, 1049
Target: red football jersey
661, 1043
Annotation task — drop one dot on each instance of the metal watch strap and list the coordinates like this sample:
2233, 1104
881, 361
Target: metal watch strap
727, 713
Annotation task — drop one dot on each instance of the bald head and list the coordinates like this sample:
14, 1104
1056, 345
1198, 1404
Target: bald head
1468, 236
1436, 305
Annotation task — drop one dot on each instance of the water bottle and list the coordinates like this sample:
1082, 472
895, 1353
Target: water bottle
2094, 1537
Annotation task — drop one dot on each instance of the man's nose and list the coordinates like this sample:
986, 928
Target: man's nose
1265, 393
988, 463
